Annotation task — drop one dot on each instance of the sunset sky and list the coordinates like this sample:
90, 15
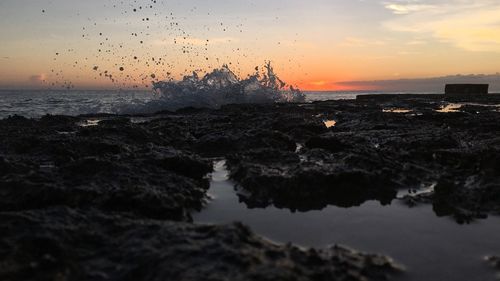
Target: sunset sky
315, 44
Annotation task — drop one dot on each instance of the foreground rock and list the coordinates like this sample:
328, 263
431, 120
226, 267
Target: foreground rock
310, 181
115, 166
66, 244
105, 198
494, 262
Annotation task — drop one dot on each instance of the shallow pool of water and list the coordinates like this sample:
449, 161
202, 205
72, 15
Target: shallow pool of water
89, 123
330, 123
396, 110
430, 248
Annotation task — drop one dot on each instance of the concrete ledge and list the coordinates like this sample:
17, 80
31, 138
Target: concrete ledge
489, 98
466, 89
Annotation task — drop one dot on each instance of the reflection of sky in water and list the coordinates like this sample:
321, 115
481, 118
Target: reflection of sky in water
90, 123
451, 107
330, 123
397, 110
456, 107
431, 248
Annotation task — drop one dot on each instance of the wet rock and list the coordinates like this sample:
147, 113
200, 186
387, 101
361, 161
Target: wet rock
68, 244
224, 143
106, 201
286, 180
494, 261
392, 150
331, 142
114, 166
374, 152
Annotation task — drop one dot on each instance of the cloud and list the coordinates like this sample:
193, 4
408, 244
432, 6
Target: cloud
402, 8
416, 42
433, 84
469, 25
360, 42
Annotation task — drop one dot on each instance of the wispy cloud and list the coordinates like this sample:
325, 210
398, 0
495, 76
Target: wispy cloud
470, 25
416, 42
361, 42
407, 7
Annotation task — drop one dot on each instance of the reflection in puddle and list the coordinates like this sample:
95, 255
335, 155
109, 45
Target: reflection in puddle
47, 165
330, 123
415, 192
431, 248
451, 107
397, 110
89, 123
298, 147
139, 120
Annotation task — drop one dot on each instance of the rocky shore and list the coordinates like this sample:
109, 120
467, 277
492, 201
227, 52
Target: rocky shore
108, 197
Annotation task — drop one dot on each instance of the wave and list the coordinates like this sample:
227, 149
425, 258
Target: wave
217, 88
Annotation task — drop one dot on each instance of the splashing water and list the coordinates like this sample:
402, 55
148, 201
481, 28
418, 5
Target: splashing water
220, 87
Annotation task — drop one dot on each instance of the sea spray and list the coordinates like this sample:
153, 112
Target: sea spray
217, 88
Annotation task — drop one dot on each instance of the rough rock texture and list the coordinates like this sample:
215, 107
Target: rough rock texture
107, 197
373, 151
494, 262
312, 180
275, 151
66, 244
115, 166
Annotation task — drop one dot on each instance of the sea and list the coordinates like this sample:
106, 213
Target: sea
37, 103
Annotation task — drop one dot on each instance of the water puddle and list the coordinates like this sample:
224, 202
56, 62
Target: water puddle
89, 123
431, 248
47, 165
330, 123
417, 191
139, 120
451, 107
396, 110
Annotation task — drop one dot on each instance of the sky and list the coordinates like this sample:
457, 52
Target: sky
314, 44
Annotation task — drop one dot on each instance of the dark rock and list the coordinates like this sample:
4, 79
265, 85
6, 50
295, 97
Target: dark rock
313, 182
494, 261
84, 203
67, 244
331, 142
224, 143
114, 166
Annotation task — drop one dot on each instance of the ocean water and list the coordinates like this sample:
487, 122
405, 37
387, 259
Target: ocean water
36, 103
